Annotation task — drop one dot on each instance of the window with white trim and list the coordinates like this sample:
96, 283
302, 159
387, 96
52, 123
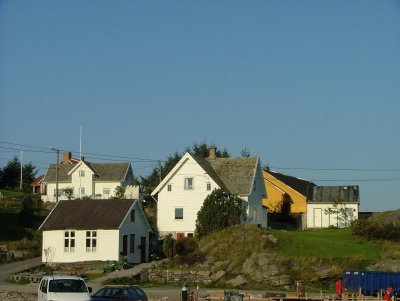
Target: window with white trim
82, 190
178, 213
208, 186
81, 173
69, 241
189, 183
169, 187
91, 241
106, 190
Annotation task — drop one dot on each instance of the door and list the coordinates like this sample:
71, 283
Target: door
143, 249
124, 245
317, 217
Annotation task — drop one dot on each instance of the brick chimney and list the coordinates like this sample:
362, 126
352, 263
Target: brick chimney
66, 157
212, 152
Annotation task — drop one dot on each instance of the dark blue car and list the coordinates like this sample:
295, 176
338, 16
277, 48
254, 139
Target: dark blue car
128, 293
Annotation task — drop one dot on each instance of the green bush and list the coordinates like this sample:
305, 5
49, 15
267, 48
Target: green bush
184, 246
168, 246
376, 230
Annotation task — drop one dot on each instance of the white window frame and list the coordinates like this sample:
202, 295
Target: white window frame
69, 241
178, 216
91, 241
60, 192
106, 190
208, 186
82, 173
82, 190
169, 187
189, 183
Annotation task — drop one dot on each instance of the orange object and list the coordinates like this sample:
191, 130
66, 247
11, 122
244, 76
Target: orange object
338, 288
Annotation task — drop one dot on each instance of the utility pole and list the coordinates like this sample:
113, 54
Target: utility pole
20, 183
58, 154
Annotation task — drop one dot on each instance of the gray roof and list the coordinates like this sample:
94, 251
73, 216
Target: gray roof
110, 172
235, 175
87, 214
329, 194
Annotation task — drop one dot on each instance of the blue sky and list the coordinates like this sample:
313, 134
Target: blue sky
311, 87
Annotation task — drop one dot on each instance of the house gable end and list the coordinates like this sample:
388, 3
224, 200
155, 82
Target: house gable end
172, 173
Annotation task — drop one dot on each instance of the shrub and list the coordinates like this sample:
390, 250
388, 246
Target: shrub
184, 246
376, 230
168, 246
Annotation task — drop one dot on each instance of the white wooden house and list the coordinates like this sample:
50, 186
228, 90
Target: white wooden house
87, 179
333, 206
96, 230
183, 190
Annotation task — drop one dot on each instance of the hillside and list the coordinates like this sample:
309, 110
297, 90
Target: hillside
246, 256
20, 216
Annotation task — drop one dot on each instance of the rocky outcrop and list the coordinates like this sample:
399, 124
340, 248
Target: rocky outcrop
388, 265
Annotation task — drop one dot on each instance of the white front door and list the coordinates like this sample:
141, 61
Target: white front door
317, 217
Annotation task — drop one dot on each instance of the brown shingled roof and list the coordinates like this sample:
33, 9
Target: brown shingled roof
236, 173
87, 214
114, 172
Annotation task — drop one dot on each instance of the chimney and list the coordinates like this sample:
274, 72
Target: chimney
212, 152
66, 157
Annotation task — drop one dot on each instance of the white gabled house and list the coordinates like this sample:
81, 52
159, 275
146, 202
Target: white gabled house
182, 192
88, 179
96, 230
333, 206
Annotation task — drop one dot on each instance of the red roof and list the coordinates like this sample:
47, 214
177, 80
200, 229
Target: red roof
37, 181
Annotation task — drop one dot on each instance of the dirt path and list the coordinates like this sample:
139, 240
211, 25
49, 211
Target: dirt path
6, 270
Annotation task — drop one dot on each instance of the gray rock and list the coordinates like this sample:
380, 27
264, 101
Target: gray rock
248, 266
238, 281
272, 238
322, 272
280, 280
218, 275
387, 265
258, 276
219, 265
203, 274
272, 270
263, 259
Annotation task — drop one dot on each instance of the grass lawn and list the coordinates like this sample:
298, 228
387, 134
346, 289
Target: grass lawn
326, 243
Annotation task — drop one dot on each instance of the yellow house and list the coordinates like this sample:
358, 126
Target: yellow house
280, 186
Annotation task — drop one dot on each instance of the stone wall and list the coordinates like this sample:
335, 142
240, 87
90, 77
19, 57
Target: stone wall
178, 276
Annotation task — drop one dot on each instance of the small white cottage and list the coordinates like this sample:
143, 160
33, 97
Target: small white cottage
91, 230
333, 206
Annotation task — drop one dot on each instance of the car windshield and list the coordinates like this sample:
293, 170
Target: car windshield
67, 286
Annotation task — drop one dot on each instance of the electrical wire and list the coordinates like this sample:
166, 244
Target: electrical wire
117, 158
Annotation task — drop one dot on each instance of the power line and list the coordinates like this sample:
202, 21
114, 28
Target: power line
338, 169
47, 150
116, 158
